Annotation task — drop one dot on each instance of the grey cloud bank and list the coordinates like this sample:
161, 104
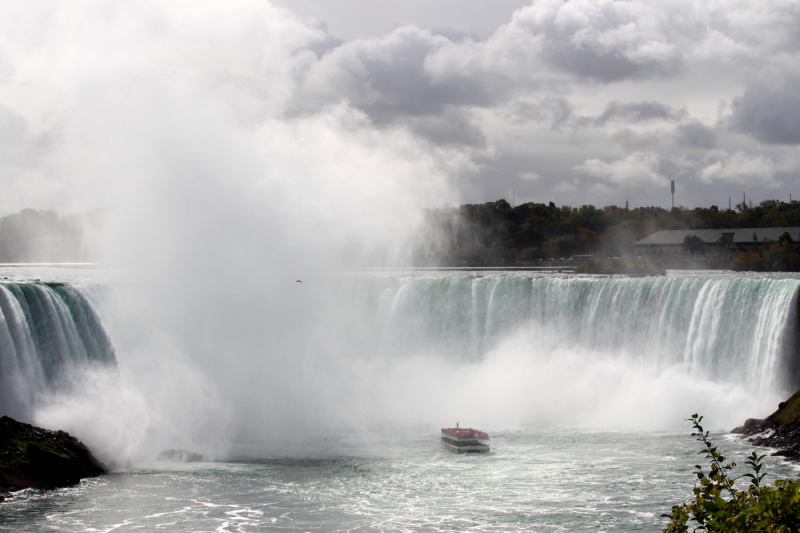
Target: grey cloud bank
602, 101
616, 98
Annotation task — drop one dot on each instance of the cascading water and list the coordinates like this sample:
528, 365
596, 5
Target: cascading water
723, 329
47, 330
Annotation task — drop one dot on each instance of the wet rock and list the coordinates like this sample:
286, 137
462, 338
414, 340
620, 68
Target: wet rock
749, 425
32, 457
779, 430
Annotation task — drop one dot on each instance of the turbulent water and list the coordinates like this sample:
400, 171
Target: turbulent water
534, 480
582, 381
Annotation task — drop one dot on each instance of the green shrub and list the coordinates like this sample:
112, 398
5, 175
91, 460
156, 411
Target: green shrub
719, 507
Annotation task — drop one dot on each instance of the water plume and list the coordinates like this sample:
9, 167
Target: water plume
177, 118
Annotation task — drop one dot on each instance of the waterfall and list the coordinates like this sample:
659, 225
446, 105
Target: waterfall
47, 330
728, 329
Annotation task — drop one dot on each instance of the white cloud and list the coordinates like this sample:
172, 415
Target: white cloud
740, 168
637, 170
529, 176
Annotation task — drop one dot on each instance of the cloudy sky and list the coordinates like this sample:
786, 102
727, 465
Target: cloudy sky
581, 101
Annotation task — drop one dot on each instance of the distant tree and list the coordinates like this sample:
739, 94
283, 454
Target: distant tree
783, 256
506, 233
496, 256
463, 235
722, 254
531, 254
528, 237
747, 261
588, 239
563, 246
694, 245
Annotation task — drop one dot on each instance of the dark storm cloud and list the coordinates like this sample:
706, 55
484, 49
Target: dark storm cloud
639, 112
695, 135
389, 78
770, 113
324, 44
552, 111
415, 72
603, 40
450, 127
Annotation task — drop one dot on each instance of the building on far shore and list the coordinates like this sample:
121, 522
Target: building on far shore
668, 244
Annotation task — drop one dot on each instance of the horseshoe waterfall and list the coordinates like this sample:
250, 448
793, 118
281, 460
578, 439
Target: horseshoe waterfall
722, 328
46, 332
736, 330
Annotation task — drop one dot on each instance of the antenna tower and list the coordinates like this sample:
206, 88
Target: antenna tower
673, 193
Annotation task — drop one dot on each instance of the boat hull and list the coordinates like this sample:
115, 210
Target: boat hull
466, 444
481, 448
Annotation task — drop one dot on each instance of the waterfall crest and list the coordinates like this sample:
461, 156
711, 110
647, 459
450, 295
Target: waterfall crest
722, 329
46, 331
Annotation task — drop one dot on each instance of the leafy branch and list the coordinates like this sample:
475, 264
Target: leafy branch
760, 508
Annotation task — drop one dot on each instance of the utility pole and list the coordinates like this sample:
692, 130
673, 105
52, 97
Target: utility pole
729, 203
626, 204
673, 194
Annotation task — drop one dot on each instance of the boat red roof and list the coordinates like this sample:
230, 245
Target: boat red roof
465, 433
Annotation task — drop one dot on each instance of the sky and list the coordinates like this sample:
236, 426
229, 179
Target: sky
461, 101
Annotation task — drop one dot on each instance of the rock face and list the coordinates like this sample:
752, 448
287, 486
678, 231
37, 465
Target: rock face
179, 456
32, 457
749, 424
780, 430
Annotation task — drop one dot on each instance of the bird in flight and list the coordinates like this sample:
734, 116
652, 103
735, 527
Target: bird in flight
298, 281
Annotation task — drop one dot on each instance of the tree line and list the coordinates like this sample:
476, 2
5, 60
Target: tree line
34, 236
497, 233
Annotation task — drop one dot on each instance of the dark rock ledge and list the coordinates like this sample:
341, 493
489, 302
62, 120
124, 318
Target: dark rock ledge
780, 430
32, 457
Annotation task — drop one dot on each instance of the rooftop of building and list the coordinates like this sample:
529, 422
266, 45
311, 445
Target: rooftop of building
710, 236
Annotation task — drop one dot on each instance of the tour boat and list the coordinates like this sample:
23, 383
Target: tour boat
465, 440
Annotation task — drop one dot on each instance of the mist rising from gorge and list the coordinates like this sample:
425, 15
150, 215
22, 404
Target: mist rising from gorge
218, 201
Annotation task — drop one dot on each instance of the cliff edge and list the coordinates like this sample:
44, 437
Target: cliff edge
779, 430
32, 457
